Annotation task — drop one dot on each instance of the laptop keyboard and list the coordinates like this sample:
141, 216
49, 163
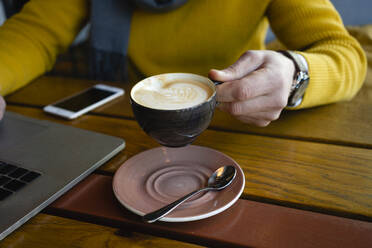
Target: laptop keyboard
13, 178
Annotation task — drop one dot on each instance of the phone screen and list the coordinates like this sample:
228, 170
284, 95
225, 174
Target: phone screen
85, 99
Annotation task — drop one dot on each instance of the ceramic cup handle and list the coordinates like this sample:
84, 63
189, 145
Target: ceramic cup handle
217, 82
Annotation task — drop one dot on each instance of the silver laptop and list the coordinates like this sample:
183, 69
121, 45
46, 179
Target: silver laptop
40, 160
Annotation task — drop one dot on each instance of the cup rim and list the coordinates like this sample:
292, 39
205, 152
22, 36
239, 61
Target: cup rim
175, 73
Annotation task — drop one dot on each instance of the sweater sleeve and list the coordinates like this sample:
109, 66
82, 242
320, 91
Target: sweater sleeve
337, 63
31, 40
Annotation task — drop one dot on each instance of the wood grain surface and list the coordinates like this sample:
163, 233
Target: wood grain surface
346, 123
321, 177
45, 231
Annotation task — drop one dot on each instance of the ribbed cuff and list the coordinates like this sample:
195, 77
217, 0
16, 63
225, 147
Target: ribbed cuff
320, 89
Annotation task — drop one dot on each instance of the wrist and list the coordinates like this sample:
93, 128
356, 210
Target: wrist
291, 68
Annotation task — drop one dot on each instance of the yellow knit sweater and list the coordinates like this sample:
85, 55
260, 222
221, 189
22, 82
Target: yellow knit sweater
201, 35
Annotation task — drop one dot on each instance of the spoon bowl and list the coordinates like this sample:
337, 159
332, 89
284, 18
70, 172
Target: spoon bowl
220, 179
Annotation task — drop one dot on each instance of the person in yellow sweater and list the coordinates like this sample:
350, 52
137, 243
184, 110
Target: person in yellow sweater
323, 64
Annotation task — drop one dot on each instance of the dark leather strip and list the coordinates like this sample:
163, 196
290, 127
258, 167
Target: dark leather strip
245, 224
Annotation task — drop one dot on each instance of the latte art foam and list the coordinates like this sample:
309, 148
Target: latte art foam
177, 94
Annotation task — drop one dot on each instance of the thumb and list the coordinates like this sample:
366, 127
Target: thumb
247, 63
220, 75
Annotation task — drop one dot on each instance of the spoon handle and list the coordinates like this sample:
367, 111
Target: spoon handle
157, 214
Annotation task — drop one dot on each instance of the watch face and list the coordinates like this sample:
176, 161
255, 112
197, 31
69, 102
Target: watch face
298, 92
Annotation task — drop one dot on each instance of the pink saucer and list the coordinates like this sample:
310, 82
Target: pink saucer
157, 177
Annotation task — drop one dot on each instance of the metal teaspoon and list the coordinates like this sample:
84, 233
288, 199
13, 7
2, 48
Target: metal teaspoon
220, 179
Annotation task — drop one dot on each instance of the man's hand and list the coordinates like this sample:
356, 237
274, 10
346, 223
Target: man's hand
2, 107
256, 87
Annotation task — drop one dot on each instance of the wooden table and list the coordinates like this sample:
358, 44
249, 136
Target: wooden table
308, 180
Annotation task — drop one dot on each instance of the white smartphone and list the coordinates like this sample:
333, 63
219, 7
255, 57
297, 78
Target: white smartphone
84, 101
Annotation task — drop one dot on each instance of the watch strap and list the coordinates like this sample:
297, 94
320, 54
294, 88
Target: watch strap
298, 62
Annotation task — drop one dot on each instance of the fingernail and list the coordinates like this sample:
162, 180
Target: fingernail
221, 72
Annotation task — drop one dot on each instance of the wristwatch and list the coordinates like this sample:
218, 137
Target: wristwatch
300, 80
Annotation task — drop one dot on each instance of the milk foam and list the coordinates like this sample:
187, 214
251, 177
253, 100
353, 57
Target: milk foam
176, 94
